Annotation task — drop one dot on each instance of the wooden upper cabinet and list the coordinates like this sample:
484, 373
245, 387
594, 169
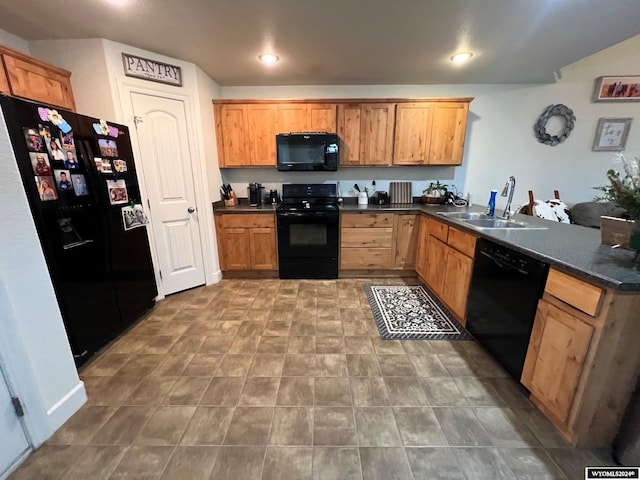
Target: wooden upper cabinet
305, 117
448, 133
412, 133
377, 134
381, 132
556, 354
322, 117
4, 82
29, 78
262, 135
430, 133
232, 130
291, 117
350, 133
366, 133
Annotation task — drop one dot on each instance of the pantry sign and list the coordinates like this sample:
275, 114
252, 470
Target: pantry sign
151, 70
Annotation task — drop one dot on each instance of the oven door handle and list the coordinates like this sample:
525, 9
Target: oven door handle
502, 264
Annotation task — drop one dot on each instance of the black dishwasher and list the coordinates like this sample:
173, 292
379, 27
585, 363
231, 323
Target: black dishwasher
503, 296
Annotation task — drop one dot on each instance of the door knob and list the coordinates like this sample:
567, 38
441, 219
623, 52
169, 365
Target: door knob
191, 209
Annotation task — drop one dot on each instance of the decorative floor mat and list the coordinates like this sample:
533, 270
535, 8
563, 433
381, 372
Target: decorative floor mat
405, 312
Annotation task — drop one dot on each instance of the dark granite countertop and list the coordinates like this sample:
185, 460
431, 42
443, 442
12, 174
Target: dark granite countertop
243, 207
574, 249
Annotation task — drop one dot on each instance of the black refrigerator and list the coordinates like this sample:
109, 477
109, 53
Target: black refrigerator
80, 179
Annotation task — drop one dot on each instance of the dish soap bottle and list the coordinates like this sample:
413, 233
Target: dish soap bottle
491, 210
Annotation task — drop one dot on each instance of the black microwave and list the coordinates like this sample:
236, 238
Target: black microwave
304, 152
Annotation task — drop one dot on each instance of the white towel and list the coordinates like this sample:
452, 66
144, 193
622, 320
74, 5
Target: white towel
551, 210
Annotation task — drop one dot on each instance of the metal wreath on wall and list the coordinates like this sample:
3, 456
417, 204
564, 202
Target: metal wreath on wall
540, 127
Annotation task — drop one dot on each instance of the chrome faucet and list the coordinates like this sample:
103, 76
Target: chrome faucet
509, 187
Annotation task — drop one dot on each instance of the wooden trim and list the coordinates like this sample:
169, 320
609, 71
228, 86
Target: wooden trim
33, 61
217, 119
341, 101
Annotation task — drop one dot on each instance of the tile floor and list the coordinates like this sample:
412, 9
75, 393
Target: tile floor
271, 379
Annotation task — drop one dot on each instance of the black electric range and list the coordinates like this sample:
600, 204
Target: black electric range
308, 231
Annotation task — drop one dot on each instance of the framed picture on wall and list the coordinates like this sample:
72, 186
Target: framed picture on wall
617, 89
611, 134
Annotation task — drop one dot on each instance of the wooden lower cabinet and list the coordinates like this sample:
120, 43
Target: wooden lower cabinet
456, 282
249, 247
406, 229
378, 241
437, 252
421, 248
445, 262
582, 368
557, 349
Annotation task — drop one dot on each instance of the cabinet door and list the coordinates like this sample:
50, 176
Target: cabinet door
447, 133
377, 134
262, 135
35, 82
234, 130
322, 117
349, 131
406, 230
412, 133
292, 117
436, 264
421, 250
557, 349
263, 249
4, 83
235, 249
456, 282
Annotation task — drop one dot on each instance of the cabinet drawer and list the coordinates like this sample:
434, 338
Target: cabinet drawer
366, 237
240, 220
365, 258
367, 220
439, 230
577, 293
461, 241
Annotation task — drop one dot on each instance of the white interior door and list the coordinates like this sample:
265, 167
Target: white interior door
13, 441
166, 157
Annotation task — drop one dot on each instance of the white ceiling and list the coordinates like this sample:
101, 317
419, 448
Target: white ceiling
345, 42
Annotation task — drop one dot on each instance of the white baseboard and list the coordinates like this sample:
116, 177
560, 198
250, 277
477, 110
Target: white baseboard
216, 277
64, 408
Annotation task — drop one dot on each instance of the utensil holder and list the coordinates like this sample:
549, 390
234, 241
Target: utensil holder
363, 198
232, 202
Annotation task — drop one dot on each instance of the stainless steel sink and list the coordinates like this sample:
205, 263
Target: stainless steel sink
463, 215
497, 223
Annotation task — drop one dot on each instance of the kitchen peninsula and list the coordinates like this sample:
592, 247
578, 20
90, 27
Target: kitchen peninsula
581, 366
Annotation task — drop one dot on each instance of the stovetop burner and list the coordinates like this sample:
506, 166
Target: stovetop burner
309, 198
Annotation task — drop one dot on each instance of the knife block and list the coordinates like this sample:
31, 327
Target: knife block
233, 201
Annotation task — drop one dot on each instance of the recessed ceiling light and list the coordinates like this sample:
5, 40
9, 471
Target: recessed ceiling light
118, 3
268, 58
461, 57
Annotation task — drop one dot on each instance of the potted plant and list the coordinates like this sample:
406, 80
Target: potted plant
624, 190
435, 193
